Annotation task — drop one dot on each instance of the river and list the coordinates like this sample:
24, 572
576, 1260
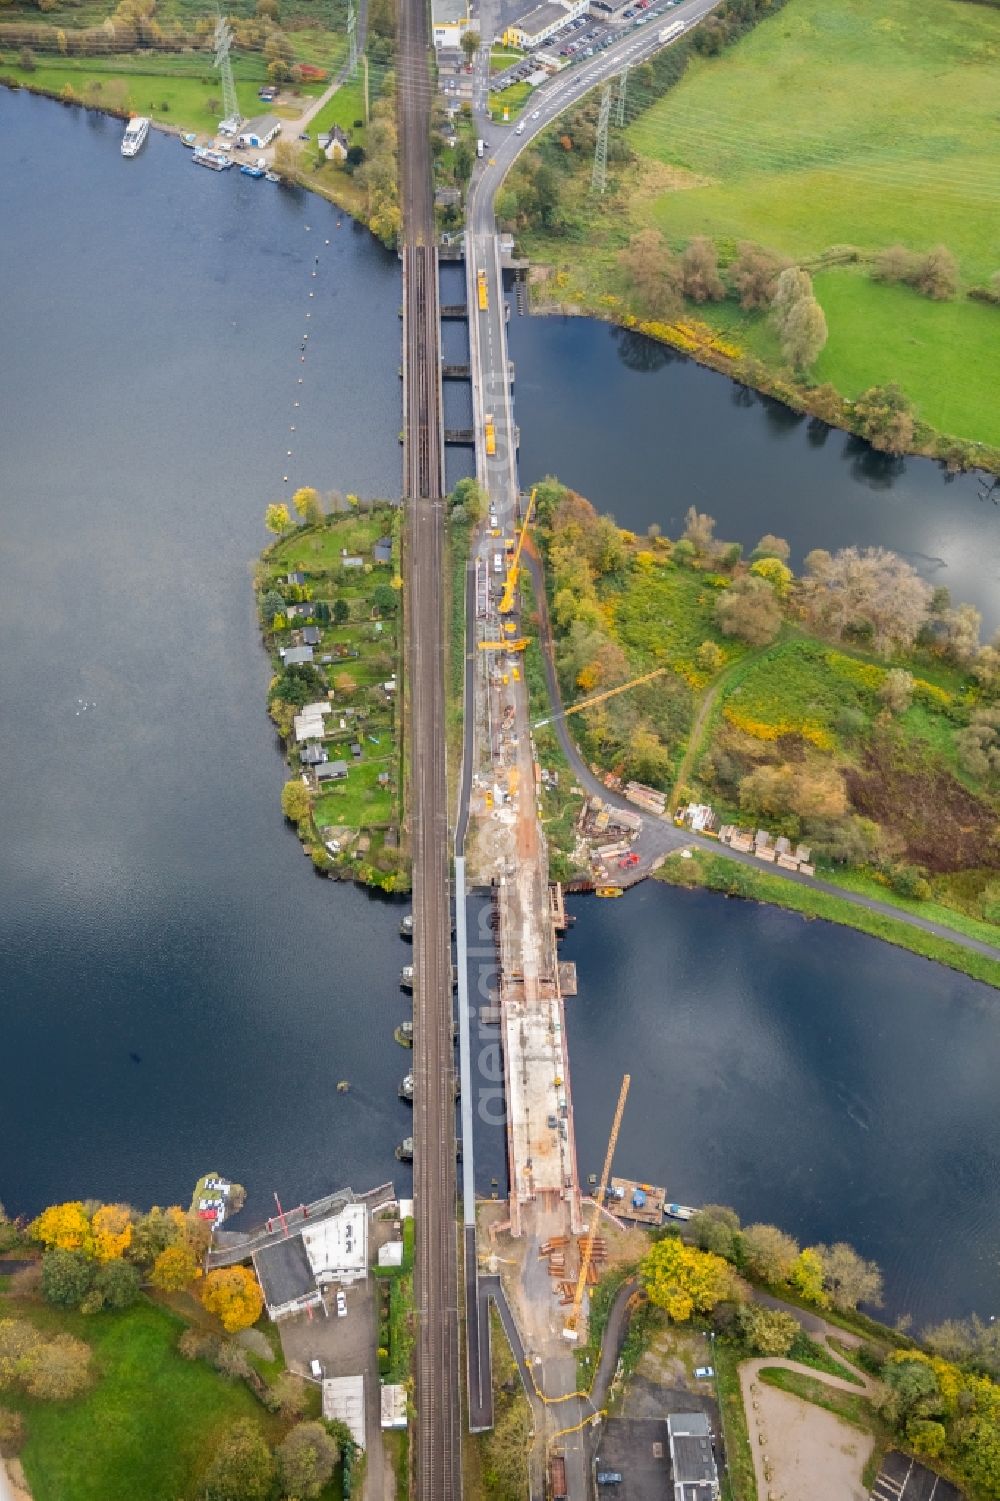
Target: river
180, 991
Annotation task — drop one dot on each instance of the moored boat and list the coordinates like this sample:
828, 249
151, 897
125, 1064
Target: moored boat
189, 139
251, 171
406, 1088
679, 1211
136, 132
205, 157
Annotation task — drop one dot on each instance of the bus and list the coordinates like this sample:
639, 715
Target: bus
484, 296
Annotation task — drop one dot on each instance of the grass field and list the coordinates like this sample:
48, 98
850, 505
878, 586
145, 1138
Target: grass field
149, 1425
513, 100
345, 108
174, 89
860, 123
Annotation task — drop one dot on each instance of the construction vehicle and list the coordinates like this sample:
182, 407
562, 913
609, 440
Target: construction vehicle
570, 1330
513, 568
490, 434
517, 645
481, 287
557, 1478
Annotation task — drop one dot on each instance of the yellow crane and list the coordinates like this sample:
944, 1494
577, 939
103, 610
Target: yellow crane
517, 645
510, 582
598, 698
570, 1331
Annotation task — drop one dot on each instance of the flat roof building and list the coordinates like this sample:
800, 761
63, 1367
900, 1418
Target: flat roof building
538, 23
450, 21
337, 1247
260, 132
296, 656
293, 1270
344, 1401
392, 1399
692, 1457
286, 1278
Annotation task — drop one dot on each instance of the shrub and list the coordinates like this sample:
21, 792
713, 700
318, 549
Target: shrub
117, 1284
56, 1370
67, 1277
12, 1432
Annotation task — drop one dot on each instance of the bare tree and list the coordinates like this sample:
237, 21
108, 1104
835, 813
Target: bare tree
700, 272
755, 275
869, 592
768, 1252
750, 611
938, 274
699, 529
653, 272
771, 546
896, 691
848, 1277
793, 285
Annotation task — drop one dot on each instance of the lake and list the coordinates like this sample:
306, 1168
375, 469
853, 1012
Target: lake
181, 992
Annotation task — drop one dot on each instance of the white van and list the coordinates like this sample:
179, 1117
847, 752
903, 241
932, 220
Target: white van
519, 129
498, 562
480, 147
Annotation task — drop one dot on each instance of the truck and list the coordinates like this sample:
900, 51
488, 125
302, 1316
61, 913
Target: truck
483, 291
480, 146
557, 1478
667, 33
490, 434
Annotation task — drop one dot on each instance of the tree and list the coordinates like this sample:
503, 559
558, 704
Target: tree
295, 800
937, 275
271, 604
808, 789
698, 530
700, 272
714, 1227
770, 546
306, 1459
653, 273
64, 1226
926, 1437
67, 1277
709, 657
978, 745
234, 1295
470, 44
288, 1394
767, 1331
967, 1341
683, 1280
896, 691
176, 1267
17, 1339
755, 275
750, 611
505, 1458
913, 1386
385, 599
848, 1278
307, 505
243, 1467
958, 633
341, 611
117, 1285
803, 333
806, 1276
792, 287
774, 572
884, 416
768, 1252
56, 1369
112, 1230
867, 593
276, 518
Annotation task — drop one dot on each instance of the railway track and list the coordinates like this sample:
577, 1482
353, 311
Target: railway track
438, 1422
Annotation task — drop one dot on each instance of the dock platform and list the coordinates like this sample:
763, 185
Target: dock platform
621, 1201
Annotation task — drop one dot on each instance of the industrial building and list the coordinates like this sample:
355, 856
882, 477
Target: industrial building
260, 132
692, 1458
294, 1270
450, 20
539, 23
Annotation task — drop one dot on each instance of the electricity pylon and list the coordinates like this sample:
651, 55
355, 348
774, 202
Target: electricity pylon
620, 101
223, 43
599, 177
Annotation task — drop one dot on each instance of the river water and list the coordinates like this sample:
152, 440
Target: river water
179, 990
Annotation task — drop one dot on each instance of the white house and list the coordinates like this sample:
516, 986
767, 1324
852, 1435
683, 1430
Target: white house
450, 19
260, 132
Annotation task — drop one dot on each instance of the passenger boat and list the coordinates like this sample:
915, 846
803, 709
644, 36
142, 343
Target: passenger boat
217, 160
679, 1211
250, 171
406, 1088
189, 139
404, 1151
136, 132
406, 926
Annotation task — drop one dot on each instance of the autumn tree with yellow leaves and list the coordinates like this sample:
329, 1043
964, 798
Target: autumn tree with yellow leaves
233, 1294
682, 1280
112, 1231
64, 1227
175, 1268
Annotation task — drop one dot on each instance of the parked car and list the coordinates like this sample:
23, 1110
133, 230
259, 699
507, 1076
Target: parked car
341, 1303
704, 1372
315, 1369
609, 1477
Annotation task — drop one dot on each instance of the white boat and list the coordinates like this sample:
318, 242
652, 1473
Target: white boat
679, 1211
214, 159
136, 132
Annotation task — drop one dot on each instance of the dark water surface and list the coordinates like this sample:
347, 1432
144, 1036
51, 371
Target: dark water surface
644, 433
152, 903
178, 990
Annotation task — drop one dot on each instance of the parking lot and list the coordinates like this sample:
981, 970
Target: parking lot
635, 1444
574, 42
903, 1479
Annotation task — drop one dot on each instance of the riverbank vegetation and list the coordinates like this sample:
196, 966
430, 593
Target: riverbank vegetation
853, 709
938, 1400
846, 174
118, 1375
329, 597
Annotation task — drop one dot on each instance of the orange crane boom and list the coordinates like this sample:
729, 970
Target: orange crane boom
598, 698
510, 582
570, 1331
